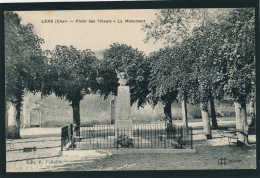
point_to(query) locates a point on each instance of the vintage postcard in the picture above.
(130, 89)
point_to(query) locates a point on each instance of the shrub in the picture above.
(53, 123)
(226, 113)
(123, 141)
(193, 112)
(95, 122)
(12, 132)
(146, 119)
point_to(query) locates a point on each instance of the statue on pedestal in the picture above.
(123, 77)
(122, 114)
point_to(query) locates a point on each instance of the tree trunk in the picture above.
(241, 122)
(184, 118)
(76, 116)
(205, 119)
(13, 117)
(6, 118)
(252, 113)
(26, 112)
(168, 114)
(112, 111)
(213, 115)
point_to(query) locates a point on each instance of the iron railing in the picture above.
(139, 136)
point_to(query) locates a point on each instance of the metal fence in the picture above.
(138, 136)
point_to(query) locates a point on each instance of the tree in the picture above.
(187, 84)
(24, 65)
(213, 114)
(73, 76)
(222, 44)
(252, 113)
(205, 43)
(238, 52)
(125, 58)
(160, 83)
(170, 78)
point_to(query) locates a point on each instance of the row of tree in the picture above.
(207, 57)
(209, 54)
(213, 58)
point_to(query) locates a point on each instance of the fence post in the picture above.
(191, 146)
(139, 135)
(182, 137)
(107, 136)
(61, 139)
(71, 131)
(151, 136)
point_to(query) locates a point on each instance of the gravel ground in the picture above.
(206, 157)
(210, 154)
(45, 158)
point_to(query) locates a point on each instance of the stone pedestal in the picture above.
(123, 119)
(112, 112)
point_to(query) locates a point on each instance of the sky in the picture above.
(95, 36)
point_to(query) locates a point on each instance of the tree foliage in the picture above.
(195, 39)
(24, 62)
(172, 25)
(205, 44)
(238, 53)
(71, 76)
(162, 86)
(168, 78)
(125, 58)
(72, 72)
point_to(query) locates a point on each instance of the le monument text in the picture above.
(85, 21)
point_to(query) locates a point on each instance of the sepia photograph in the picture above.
(130, 89)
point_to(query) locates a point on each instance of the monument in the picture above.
(123, 119)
